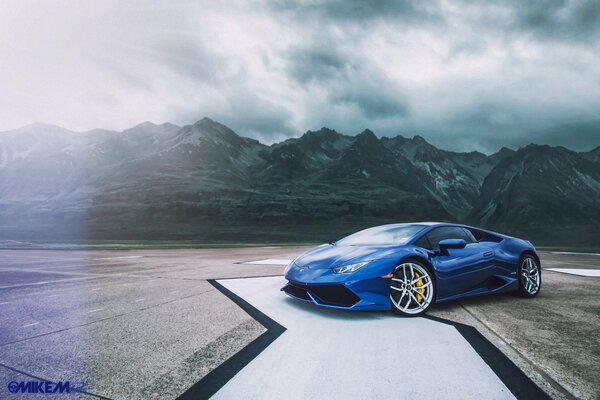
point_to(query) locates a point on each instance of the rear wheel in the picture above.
(530, 278)
(412, 289)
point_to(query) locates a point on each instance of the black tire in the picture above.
(529, 287)
(424, 289)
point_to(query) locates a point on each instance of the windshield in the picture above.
(382, 235)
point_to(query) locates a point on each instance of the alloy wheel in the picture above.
(411, 288)
(530, 275)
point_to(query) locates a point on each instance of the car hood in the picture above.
(329, 255)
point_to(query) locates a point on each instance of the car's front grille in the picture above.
(332, 295)
(295, 291)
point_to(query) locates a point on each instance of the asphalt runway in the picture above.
(151, 324)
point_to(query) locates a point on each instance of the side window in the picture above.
(481, 236)
(424, 243)
(448, 232)
(477, 234)
(470, 235)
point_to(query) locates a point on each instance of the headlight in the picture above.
(348, 269)
(287, 269)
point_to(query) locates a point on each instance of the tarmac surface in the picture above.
(148, 324)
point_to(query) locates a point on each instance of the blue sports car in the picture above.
(407, 267)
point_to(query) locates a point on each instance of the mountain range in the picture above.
(205, 182)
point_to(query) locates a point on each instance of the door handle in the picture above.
(488, 254)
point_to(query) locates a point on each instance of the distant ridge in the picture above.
(206, 182)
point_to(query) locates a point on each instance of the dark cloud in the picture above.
(189, 58)
(361, 11)
(465, 75)
(316, 64)
(576, 135)
(575, 19)
(374, 103)
(257, 117)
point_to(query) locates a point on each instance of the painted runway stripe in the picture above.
(575, 253)
(46, 282)
(269, 261)
(96, 310)
(117, 258)
(138, 300)
(272, 369)
(577, 271)
(32, 324)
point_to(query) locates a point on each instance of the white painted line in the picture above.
(271, 247)
(575, 253)
(53, 295)
(94, 289)
(269, 261)
(5, 302)
(45, 282)
(332, 354)
(97, 309)
(35, 323)
(138, 300)
(577, 271)
(116, 258)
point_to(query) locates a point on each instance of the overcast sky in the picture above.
(464, 76)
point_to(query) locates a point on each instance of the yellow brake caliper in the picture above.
(419, 284)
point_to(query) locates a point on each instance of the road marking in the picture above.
(173, 292)
(575, 253)
(269, 261)
(53, 295)
(46, 282)
(577, 271)
(35, 323)
(95, 289)
(138, 300)
(116, 258)
(97, 309)
(53, 271)
(349, 363)
(5, 302)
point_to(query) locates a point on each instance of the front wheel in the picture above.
(412, 289)
(530, 278)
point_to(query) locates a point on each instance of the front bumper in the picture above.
(326, 295)
(361, 290)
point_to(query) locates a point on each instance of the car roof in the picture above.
(425, 223)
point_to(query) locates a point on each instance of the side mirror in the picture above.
(451, 244)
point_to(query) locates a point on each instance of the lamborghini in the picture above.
(408, 267)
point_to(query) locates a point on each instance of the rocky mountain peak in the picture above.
(322, 135)
(208, 130)
(592, 155)
(38, 128)
(367, 137)
(505, 151)
(419, 139)
(367, 146)
(144, 125)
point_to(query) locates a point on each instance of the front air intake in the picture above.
(330, 295)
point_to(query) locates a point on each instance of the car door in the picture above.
(460, 270)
